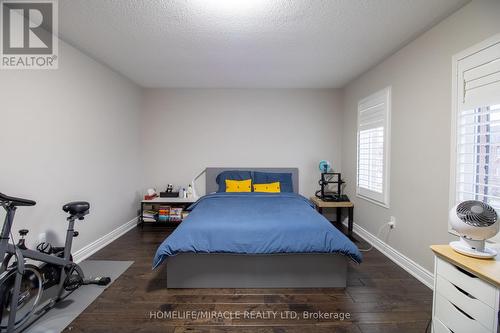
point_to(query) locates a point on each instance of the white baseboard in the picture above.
(420, 273)
(95, 246)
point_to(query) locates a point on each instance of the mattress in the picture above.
(255, 223)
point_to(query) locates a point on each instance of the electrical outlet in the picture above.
(392, 222)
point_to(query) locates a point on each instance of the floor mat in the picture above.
(68, 309)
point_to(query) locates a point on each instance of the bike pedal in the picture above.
(100, 281)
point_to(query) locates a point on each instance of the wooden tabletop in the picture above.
(330, 204)
(170, 200)
(487, 269)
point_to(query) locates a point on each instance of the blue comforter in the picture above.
(255, 223)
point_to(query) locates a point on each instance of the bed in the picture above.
(255, 240)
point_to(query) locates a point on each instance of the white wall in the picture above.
(420, 76)
(70, 134)
(186, 130)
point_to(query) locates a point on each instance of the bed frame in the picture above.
(221, 270)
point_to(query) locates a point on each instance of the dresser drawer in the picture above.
(468, 282)
(439, 327)
(470, 305)
(456, 320)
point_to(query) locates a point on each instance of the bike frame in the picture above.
(21, 254)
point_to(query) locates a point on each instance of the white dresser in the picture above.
(466, 293)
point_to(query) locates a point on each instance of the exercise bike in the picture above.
(27, 291)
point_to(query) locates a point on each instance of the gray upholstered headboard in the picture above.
(211, 175)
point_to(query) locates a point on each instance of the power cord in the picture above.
(378, 234)
(428, 325)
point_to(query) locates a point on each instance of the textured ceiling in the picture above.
(245, 43)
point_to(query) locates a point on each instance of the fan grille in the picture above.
(476, 213)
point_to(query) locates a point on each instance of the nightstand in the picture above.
(155, 205)
(338, 205)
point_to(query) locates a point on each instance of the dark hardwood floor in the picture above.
(380, 297)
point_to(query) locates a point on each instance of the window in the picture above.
(478, 163)
(476, 125)
(373, 147)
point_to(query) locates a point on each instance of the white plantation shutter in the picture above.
(480, 78)
(477, 169)
(373, 154)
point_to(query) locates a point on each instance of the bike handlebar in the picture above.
(16, 201)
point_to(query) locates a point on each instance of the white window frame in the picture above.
(456, 96)
(381, 199)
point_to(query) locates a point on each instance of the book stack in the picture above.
(164, 213)
(149, 216)
(176, 214)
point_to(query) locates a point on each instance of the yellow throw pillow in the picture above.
(239, 185)
(268, 188)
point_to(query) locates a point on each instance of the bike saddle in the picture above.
(16, 201)
(80, 208)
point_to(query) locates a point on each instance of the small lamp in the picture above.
(195, 195)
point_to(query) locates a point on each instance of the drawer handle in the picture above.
(463, 292)
(465, 272)
(463, 312)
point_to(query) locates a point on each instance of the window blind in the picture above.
(477, 169)
(480, 78)
(373, 115)
(478, 155)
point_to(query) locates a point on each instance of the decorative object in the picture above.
(325, 166)
(150, 194)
